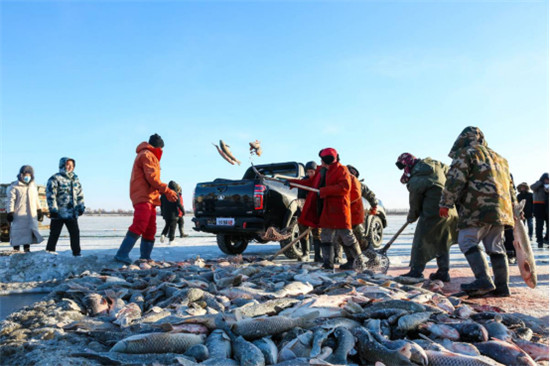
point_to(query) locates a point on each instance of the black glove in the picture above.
(39, 215)
(54, 215)
(80, 211)
(10, 216)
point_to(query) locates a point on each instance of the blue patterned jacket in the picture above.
(64, 193)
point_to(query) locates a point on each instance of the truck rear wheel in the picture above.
(295, 250)
(376, 232)
(231, 245)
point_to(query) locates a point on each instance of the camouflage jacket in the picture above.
(369, 195)
(64, 193)
(478, 182)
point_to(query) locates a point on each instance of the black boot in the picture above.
(304, 243)
(442, 272)
(16, 248)
(317, 250)
(26, 248)
(338, 253)
(414, 272)
(500, 271)
(328, 255)
(349, 257)
(483, 283)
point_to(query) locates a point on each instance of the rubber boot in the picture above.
(328, 255)
(483, 283)
(442, 272)
(416, 271)
(304, 243)
(146, 248)
(16, 248)
(317, 250)
(500, 271)
(26, 248)
(349, 257)
(122, 255)
(338, 253)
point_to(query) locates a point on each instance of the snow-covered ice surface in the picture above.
(102, 235)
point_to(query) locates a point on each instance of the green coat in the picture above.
(433, 235)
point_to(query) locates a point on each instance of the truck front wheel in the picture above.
(231, 245)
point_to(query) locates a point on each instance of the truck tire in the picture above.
(295, 250)
(376, 232)
(230, 245)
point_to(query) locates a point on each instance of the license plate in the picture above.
(225, 221)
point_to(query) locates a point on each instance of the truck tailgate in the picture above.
(225, 198)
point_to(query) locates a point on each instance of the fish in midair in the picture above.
(255, 148)
(224, 155)
(225, 148)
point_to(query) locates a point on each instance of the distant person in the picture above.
(434, 235)
(145, 190)
(479, 183)
(170, 213)
(66, 204)
(540, 209)
(181, 213)
(526, 194)
(24, 210)
(310, 210)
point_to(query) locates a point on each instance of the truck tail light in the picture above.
(259, 190)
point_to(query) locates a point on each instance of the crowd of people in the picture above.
(467, 203)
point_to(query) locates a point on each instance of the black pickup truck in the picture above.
(239, 211)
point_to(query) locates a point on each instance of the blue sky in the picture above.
(373, 79)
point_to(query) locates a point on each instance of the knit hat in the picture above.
(406, 162)
(311, 165)
(353, 170)
(329, 155)
(156, 141)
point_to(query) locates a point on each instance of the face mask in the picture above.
(26, 179)
(400, 165)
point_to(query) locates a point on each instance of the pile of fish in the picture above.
(251, 311)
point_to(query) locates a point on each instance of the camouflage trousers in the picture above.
(492, 237)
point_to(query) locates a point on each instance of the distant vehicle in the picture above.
(4, 224)
(239, 211)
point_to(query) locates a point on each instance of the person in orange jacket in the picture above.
(336, 219)
(145, 190)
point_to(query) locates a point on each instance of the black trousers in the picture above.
(170, 228)
(509, 243)
(180, 225)
(541, 219)
(74, 232)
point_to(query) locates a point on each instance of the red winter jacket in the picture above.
(309, 216)
(356, 202)
(336, 198)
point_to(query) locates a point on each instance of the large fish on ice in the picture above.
(522, 244)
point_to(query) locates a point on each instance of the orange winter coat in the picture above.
(356, 202)
(336, 198)
(145, 184)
